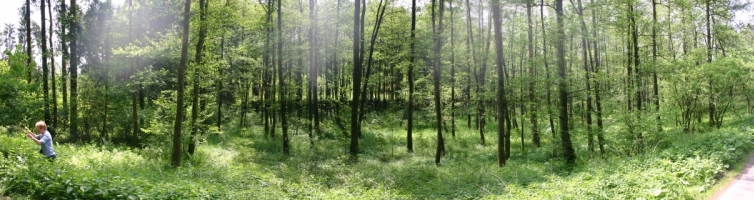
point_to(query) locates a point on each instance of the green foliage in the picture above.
(241, 164)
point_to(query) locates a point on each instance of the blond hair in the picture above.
(41, 124)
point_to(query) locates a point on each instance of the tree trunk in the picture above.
(587, 75)
(355, 128)
(655, 87)
(437, 74)
(452, 74)
(548, 84)
(565, 137)
(64, 60)
(28, 38)
(533, 75)
(411, 58)
(502, 103)
(203, 4)
(45, 70)
(597, 100)
(74, 63)
(54, 120)
(177, 150)
(281, 82)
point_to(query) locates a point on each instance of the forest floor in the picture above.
(740, 185)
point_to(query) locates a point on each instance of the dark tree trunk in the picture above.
(45, 70)
(355, 128)
(177, 150)
(54, 119)
(437, 74)
(565, 137)
(203, 4)
(281, 82)
(410, 73)
(502, 103)
(64, 60)
(28, 37)
(74, 63)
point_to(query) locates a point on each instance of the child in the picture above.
(44, 139)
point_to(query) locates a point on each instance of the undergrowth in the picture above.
(241, 164)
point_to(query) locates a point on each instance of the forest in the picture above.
(376, 99)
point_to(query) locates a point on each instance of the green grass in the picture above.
(243, 164)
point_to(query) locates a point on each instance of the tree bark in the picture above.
(410, 73)
(355, 128)
(533, 76)
(502, 103)
(203, 4)
(74, 63)
(281, 82)
(437, 74)
(54, 119)
(565, 137)
(177, 150)
(28, 38)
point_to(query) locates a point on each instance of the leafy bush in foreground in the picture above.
(245, 168)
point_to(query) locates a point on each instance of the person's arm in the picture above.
(33, 137)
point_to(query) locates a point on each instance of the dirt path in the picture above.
(742, 187)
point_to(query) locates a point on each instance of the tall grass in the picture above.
(241, 163)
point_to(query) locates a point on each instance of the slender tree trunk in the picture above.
(655, 86)
(548, 84)
(411, 58)
(437, 74)
(502, 103)
(203, 4)
(597, 100)
(565, 137)
(45, 70)
(587, 76)
(74, 63)
(281, 82)
(355, 128)
(28, 39)
(452, 73)
(64, 60)
(267, 71)
(177, 150)
(54, 120)
(533, 75)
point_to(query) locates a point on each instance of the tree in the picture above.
(281, 82)
(176, 156)
(437, 74)
(565, 137)
(74, 63)
(410, 73)
(502, 103)
(355, 127)
(532, 75)
(28, 38)
(45, 70)
(198, 61)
